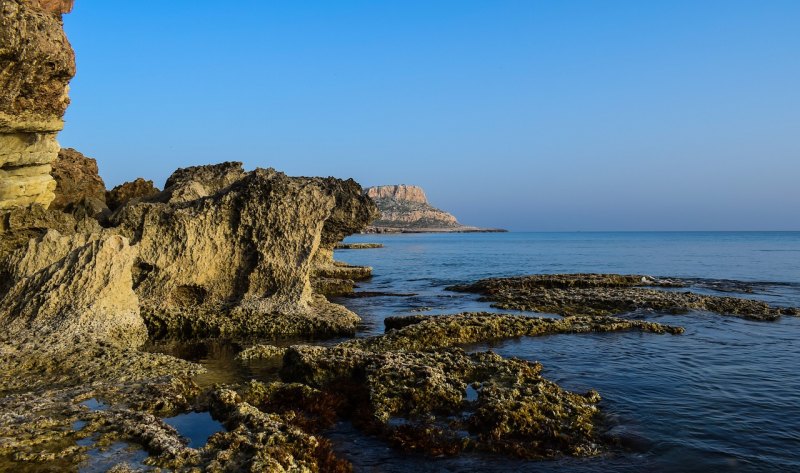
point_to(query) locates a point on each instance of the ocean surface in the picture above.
(724, 396)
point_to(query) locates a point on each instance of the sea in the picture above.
(722, 397)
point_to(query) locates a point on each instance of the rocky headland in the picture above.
(405, 209)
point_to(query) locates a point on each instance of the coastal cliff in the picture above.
(405, 208)
(36, 65)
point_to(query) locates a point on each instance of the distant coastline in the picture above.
(395, 230)
(405, 209)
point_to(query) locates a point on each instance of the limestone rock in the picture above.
(222, 251)
(56, 6)
(67, 288)
(594, 295)
(25, 168)
(36, 64)
(77, 179)
(398, 192)
(17, 226)
(128, 191)
(405, 208)
(194, 182)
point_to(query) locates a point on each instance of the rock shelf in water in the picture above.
(611, 294)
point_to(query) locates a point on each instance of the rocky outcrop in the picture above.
(36, 65)
(405, 208)
(128, 191)
(223, 251)
(77, 179)
(220, 251)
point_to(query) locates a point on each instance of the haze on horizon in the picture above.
(550, 115)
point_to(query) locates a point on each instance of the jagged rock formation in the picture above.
(405, 208)
(223, 251)
(126, 192)
(36, 65)
(220, 251)
(77, 179)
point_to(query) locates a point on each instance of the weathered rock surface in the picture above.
(77, 179)
(426, 332)
(17, 226)
(420, 401)
(36, 65)
(128, 191)
(70, 290)
(610, 294)
(222, 251)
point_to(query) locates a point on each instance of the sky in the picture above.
(558, 115)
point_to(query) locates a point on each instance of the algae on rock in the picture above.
(610, 294)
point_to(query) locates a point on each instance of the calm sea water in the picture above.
(725, 396)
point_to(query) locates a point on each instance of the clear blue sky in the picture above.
(529, 115)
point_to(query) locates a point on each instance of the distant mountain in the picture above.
(405, 208)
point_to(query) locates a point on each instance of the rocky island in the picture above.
(405, 209)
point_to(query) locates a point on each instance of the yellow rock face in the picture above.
(25, 177)
(36, 64)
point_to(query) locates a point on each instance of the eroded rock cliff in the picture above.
(405, 208)
(36, 65)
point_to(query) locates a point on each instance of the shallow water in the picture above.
(197, 427)
(725, 396)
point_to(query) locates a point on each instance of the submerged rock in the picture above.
(610, 294)
(260, 352)
(358, 246)
(426, 332)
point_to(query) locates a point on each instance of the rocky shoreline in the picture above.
(89, 276)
